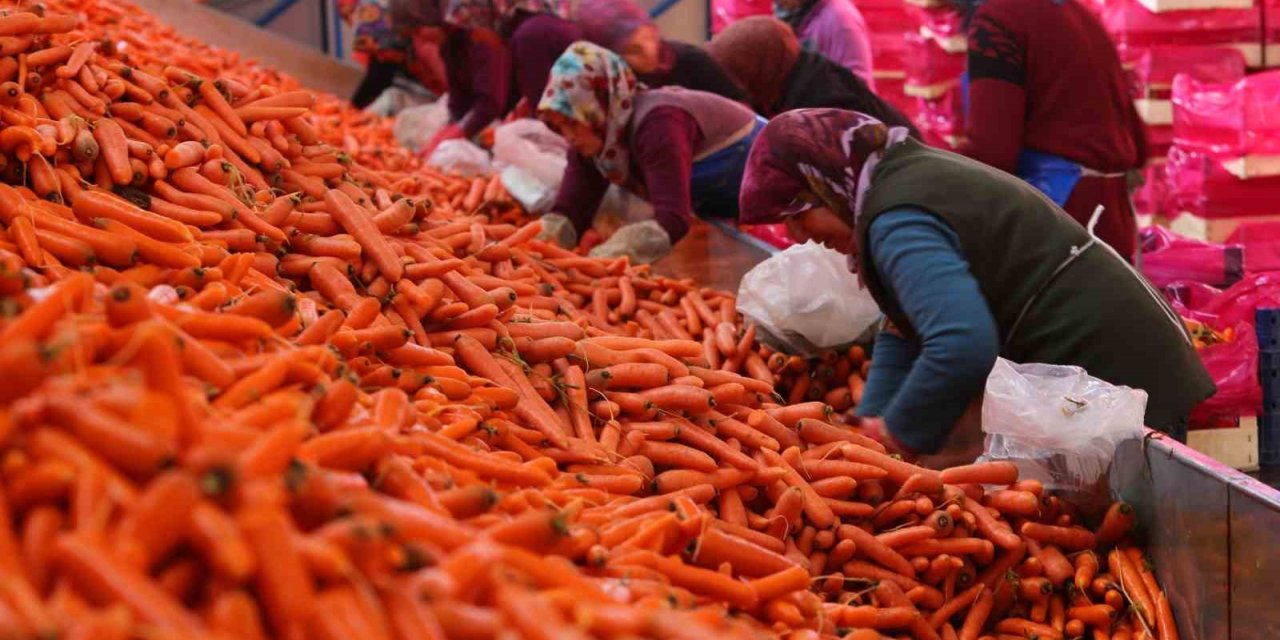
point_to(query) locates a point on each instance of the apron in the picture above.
(717, 177)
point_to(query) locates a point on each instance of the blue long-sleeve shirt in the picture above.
(920, 391)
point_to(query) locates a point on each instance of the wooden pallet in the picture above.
(1209, 229)
(1236, 447)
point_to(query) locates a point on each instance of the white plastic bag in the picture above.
(395, 99)
(532, 159)
(804, 299)
(461, 157)
(416, 126)
(1059, 425)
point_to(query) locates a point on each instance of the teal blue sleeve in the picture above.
(891, 360)
(920, 262)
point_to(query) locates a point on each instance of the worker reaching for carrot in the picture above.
(962, 280)
(685, 150)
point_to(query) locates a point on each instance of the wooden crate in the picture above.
(1236, 447)
(1208, 229)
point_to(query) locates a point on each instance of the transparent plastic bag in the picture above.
(532, 160)
(416, 126)
(396, 98)
(461, 157)
(1059, 425)
(804, 299)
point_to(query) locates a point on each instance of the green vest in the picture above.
(1093, 311)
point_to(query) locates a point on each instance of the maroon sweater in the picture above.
(661, 165)
(1044, 75)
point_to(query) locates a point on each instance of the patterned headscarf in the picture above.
(610, 23)
(497, 15)
(593, 86)
(374, 34)
(812, 157)
(759, 53)
(794, 17)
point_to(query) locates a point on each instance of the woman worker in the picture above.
(387, 52)
(967, 263)
(764, 56)
(682, 150)
(1048, 101)
(488, 47)
(834, 28)
(625, 28)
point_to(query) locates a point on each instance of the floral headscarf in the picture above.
(610, 23)
(759, 53)
(374, 34)
(593, 86)
(497, 15)
(812, 157)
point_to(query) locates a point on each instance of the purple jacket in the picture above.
(836, 29)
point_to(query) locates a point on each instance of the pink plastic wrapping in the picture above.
(1156, 68)
(1159, 140)
(941, 121)
(1233, 366)
(1200, 185)
(727, 12)
(1237, 304)
(930, 69)
(893, 91)
(1152, 198)
(939, 23)
(774, 234)
(1168, 257)
(1261, 242)
(1136, 29)
(1230, 119)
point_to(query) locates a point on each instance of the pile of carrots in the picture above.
(835, 377)
(259, 385)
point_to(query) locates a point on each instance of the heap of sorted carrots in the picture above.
(256, 386)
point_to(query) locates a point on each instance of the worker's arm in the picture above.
(581, 191)
(918, 258)
(997, 92)
(890, 363)
(490, 65)
(662, 150)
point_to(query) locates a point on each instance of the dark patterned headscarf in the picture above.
(810, 158)
(610, 23)
(759, 53)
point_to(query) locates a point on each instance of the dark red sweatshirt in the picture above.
(1045, 76)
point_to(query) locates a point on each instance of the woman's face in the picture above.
(823, 226)
(643, 50)
(578, 135)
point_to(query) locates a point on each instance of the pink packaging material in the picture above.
(893, 91)
(931, 70)
(1157, 66)
(1199, 184)
(1136, 29)
(1233, 366)
(943, 24)
(1230, 119)
(1159, 140)
(1152, 198)
(1168, 258)
(941, 120)
(727, 12)
(774, 234)
(1261, 242)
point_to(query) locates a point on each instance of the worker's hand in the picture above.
(557, 228)
(523, 110)
(643, 242)
(876, 429)
(449, 132)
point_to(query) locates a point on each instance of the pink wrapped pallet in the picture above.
(941, 120)
(1159, 140)
(1168, 257)
(1271, 33)
(931, 70)
(727, 12)
(1201, 185)
(891, 86)
(1261, 242)
(1155, 69)
(1239, 122)
(1152, 198)
(943, 25)
(1136, 29)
